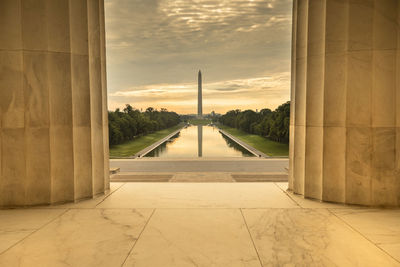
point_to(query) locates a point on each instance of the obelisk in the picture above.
(199, 98)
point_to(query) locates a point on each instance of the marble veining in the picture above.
(80, 237)
(309, 233)
(310, 237)
(15, 225)
(194, 237)
(380, 226)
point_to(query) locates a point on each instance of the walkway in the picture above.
(199, 224)
(201, 164)
(253, 150)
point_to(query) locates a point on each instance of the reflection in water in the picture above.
(231, 143)
(200, 141)
(161, 149)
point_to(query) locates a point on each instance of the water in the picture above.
(199, 141)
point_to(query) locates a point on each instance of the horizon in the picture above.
(195, 114)
(155, 49)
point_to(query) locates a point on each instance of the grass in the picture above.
(130, 148)
(199, 121)
(269, 147)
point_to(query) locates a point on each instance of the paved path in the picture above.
(199, 177)
(248, 147)
(201, 165)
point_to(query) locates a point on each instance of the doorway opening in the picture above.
(230, 113)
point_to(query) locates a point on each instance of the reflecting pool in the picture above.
(199, 141)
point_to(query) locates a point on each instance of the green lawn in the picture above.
(199, 121)
(271, 148)
(130, 148)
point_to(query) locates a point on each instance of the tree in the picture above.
(271, 124)
(126, 125)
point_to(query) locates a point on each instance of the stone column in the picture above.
(53, 108)
(345, 101)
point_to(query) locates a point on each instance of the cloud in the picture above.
(260, 92)
(165, 42)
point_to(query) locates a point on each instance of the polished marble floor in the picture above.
(199, 224)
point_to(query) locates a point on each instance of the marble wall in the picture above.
(53, 101)
(345, 120)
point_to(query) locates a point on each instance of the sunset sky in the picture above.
(156, 47)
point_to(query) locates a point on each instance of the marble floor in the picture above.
(199, 224)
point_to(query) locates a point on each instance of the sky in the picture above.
(156, 47)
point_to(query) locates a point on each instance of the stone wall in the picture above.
(345, 120)
(53, 101)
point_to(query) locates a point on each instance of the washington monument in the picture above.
(199, 98)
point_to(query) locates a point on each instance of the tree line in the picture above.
(271, 124)
(125, 125)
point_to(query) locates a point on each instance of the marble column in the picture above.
(53, 105)
(345, 116)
